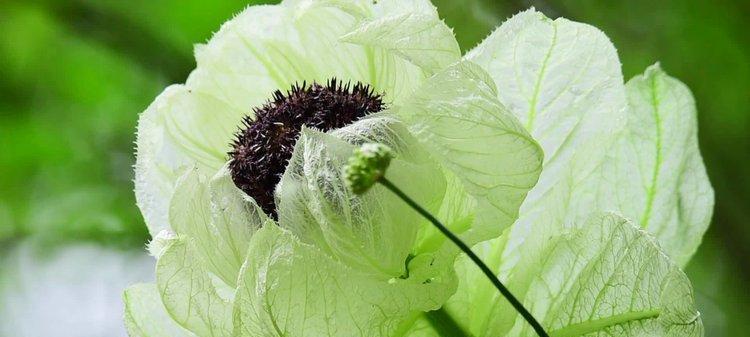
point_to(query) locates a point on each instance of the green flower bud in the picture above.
(366, 166)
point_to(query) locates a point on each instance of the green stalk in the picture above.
(461, 245)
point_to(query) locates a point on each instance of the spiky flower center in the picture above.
(264, 144)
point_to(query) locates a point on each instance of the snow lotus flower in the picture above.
(317, 258)
(239, 171)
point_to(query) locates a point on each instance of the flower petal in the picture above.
(374, 232)
(456, 114)
(412, 30)
(188, 292)
(180, 129)
(384, 129)
(268, 48)
(145, 315)
(219, 218)
(293, 289)
(562, 80)
(601, 277)
(655, 174)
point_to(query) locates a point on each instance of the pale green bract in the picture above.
(558, 77)
(340, 264)
(145, 315)
(603, 277)
(664, 187)
(292, 289)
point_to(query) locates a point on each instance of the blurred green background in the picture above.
(75, 74)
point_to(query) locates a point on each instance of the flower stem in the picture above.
(457, 241)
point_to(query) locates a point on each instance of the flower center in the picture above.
(265, 142)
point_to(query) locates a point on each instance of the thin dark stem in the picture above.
(486, 270)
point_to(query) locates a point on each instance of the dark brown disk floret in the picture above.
(264, 144)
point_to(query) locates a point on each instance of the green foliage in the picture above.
(67, 124)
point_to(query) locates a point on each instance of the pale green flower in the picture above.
(340, 264)
(334, 263)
